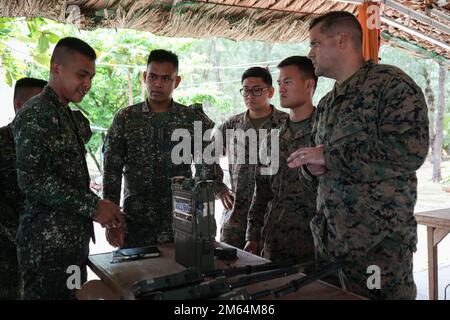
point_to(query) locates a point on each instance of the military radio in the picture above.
(193, 222)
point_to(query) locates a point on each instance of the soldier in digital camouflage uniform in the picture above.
(56, 222)
(285, 202)
(12, 198)
(370, 137)
(257, 91)
(138, 146)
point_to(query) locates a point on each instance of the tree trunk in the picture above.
(431, 108)
(437, 176)
(217, 63)
(130, 88)
(94, 158)
(210, 53)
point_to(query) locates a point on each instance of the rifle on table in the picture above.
(292, 286)
(218, 286)
(192, 276)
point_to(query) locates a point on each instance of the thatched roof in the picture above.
(268, 20)
(426, 29)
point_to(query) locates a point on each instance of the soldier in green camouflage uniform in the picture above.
(260, 115)
(284, 203)
(371, 135)
(10, 206)
(56, 222)
(12, 198)
(138, 146)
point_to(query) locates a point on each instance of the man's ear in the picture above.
(144, 75)
(17, 103)
(343, 39)
(54, 69)
(177, 81)
(271, 92)
(310, 83)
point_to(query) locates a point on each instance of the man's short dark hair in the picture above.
(303, 64)
(68, 45)
(23, 84)
(336, 21)
(160, 55)
(258, 72)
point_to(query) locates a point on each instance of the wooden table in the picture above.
(119, 277)
(438, 226)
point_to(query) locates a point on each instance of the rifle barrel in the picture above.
(295, 285)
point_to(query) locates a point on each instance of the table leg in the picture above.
(432, 265)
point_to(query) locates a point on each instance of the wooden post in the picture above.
(432, 265)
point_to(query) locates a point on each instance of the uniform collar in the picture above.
(274, 118)
(51, 94)
(174, 107)
(286, 133)
(354, 82)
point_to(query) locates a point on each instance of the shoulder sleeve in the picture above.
(114, 158)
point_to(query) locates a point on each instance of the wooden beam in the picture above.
(439, 234)
(442, 3)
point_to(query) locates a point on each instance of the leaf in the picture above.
(23, 38)
(32, 27)
(43, 44)
(5, 31)
(9, 78)
(42, 59)
(52, 37)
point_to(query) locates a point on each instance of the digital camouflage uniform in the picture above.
(242, 176)
(140, 148)
(375, 130)
(11, 201)
(56, 223)
(284, 203)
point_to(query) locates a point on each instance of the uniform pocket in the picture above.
(349, 127)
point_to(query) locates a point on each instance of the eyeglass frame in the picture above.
(252, 91)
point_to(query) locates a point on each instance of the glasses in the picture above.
(245, 92)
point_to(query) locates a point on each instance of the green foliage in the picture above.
(210, 69)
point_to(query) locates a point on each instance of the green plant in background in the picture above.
(211, 69)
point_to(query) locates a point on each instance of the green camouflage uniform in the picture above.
(84, 125)
(375, 130)
(284, 204)
(138, 145)
(242, 177)
(56, 222)
(11, 201)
